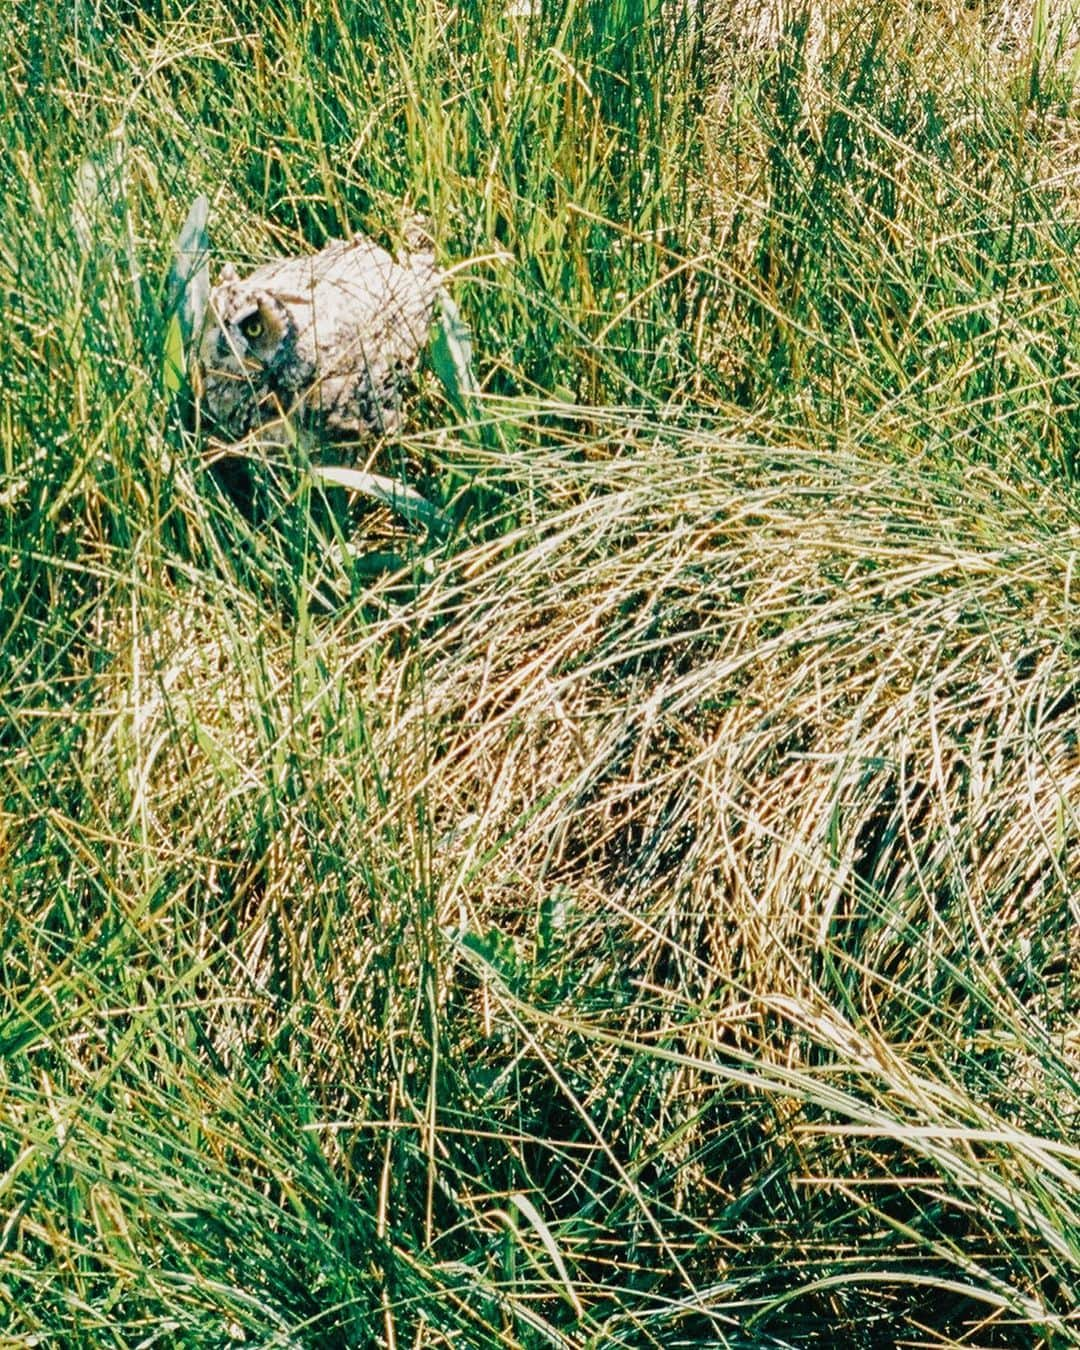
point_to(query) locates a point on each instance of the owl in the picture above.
(328, 341)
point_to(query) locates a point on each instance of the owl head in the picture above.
(246, 343)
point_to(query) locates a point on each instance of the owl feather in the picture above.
(329, 340)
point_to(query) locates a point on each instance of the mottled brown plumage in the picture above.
(328, 341)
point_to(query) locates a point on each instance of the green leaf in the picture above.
(406, 501)
(451, 357)
(173, 373)
(554, 912)
(188, 288)
(495, 950)
(187, 293)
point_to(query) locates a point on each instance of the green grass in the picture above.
(644, 917)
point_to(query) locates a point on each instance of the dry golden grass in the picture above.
(746, 775)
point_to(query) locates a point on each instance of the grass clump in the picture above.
(644, 916)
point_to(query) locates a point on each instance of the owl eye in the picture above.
(253, 327)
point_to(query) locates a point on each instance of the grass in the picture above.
(643, 917)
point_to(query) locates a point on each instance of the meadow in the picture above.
(640, 913)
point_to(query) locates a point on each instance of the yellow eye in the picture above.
(252, 327)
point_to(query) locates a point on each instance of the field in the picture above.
(640, 913)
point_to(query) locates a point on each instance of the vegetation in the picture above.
(642, 915)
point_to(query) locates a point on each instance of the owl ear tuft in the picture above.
(228, 273)
(273, 313)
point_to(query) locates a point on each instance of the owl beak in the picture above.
(227, 346)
